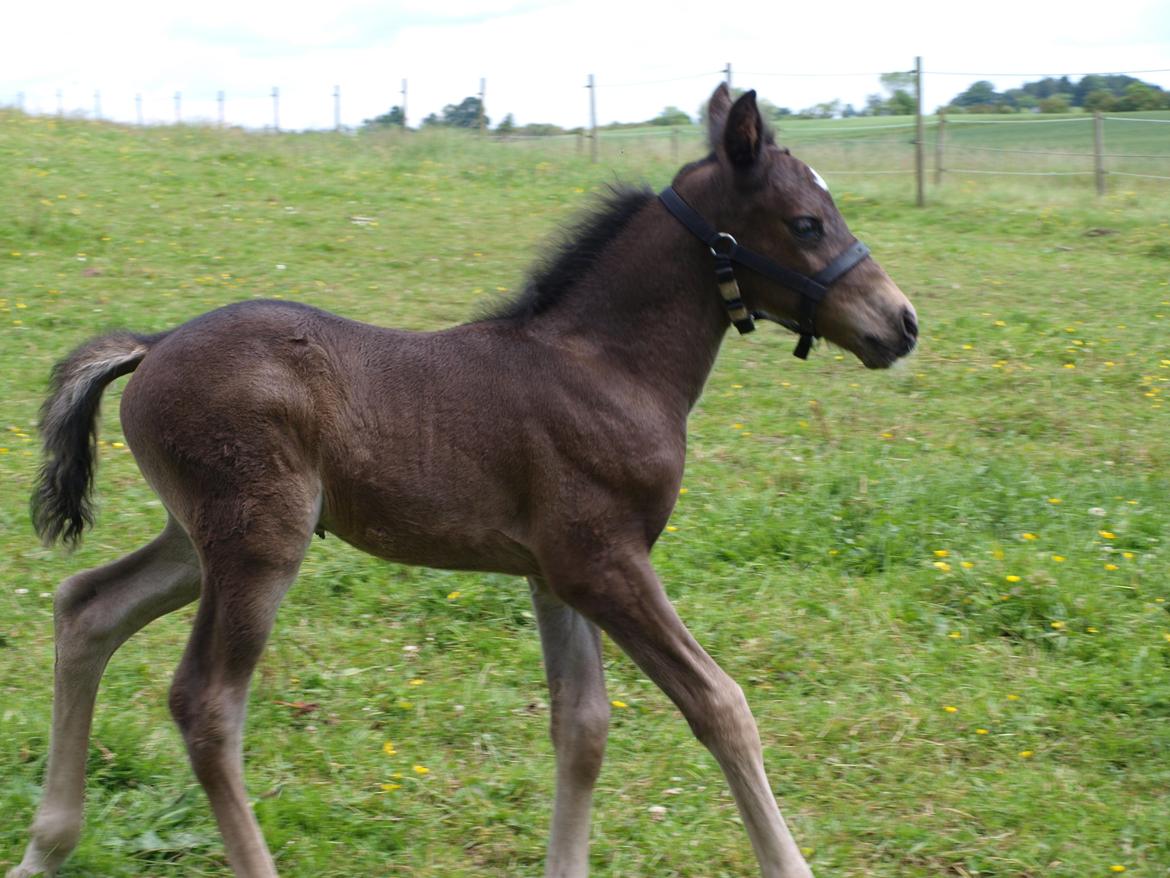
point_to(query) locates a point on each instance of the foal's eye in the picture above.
(807, 228)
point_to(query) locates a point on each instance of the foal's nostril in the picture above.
(910, 323)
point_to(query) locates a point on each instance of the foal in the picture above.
(263, 422)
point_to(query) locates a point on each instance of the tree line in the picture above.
(1094, 92)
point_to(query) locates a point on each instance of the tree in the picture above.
(396, 118)
(507, 126)
(1100, 100)
(978, 94)
(465, 114)
(1056, 102)
(1139, 96)
(671, 116)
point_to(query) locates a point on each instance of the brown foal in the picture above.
(546, 440)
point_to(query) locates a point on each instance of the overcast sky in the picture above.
(537, 54)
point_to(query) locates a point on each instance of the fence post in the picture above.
(940, 138)
(920, 136)
(1099, 150)
(482, 93)
(592, 119)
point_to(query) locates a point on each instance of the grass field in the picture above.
(944, 588)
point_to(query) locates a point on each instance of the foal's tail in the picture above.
(60, 503)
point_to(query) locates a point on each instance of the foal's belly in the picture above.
(427, 531)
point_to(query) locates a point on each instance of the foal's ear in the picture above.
(717, 110)
(744, 134)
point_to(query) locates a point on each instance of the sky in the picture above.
(535, 56)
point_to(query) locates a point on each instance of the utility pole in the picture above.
(404, 105)
(727, 74)
(219, 100)
(920, 136)
(275, 108)
(60, 103)
(178, 108)
(138, 109)
(592, 119)
(97, 105)
(337, 108)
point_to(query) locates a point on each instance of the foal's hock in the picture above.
(263, 422)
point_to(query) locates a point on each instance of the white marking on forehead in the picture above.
(818, 179)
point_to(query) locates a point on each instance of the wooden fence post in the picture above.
(920, 136)
(1099, 150)
(592, 119)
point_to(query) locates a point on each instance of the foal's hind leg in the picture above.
(580, 722)
(96, 611)
(245, 576)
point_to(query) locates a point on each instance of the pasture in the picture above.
(943, 588)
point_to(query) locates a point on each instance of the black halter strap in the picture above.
(727, 252)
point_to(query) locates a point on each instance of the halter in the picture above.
(812, 289)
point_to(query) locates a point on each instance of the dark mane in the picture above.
(578, 248)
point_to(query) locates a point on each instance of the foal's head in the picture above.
(778, 206)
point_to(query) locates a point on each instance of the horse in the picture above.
(545, 439)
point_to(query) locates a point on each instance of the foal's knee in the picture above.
(79, 625)
(579, 737)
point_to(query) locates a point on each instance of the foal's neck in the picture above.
(650, 303)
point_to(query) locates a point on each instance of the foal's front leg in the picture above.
(580, 723)
(623, 596)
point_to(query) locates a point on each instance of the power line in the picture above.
(1063, 73)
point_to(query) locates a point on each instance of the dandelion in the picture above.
(950, 708)
(941, 553)
(981, 731)
(1091, 630)
(1055, 501)
(682, 491)
(1013, 697)
(454, 595)
(388, 749)
(966, 565)
(391, 787)
(1107, 534)
(670, 528)
(1011, 577)
(943, 566)
(619, 704)
(1058, 625)
(421, 769)
(955, 635)
(1026, 754)
(1111, 567)
(416, 682)
(1059, 559)
(1117, 867)
(1028, 536)
(1128, 556)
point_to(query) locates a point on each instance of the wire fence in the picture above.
(941, 147)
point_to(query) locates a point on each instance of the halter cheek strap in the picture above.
(727, 252)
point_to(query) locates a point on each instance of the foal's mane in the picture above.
(575, 250)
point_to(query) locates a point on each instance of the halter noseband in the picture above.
(812, 289)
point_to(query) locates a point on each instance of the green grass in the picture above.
(808, 555)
